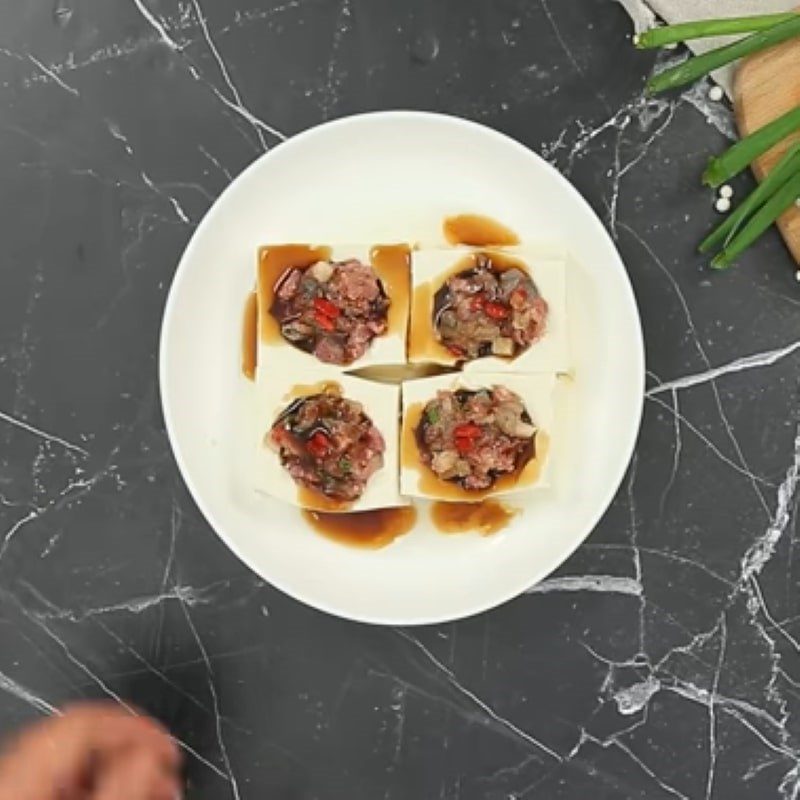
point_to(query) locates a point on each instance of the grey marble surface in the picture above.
(661, 660)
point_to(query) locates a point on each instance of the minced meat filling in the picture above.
(484, 311)
(474, 437)
(333, 310)
(329, 445)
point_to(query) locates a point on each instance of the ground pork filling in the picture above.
(474, 437)
(333, 310)
(483, 311)
(329, 445)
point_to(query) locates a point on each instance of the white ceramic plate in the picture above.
(393, 177)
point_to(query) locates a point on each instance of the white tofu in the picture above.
(430, 270)
(381, 403)
(391, 262)
(536, 391)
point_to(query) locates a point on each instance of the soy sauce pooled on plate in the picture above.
(476, 230)
(487, 518)
(368, 529)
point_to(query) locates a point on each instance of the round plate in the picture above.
(393, 177)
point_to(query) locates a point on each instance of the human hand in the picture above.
(95, 751)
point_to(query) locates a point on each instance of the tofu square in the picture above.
(390, 262)
(418, 480)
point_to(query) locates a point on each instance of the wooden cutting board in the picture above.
(767, 85)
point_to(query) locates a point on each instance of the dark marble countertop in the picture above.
(660, 661)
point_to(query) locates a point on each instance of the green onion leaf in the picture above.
(744, 152)
(685, 31)
(697, 67)
(782, 200)
(788, 166)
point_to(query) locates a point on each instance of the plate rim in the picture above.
(179, 276)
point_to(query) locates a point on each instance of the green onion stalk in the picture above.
(665, 35)
(746, 151)
(781, 201)
(787, 168)
(697, 67)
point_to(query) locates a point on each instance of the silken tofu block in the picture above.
(536, 392)
(381, 403)
(392, 265)
(430, 271)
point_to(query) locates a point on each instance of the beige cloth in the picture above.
(644, 13)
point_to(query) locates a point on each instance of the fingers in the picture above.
(137, 776)
(60, 756)
(107, 729)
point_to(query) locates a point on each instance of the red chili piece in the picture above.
(325, 313)
(464, 445)
(465, 436)
(326, 308)
(318, 445)
(478, 302)
(469, 430)
(496, 310)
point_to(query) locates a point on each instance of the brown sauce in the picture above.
(487, 518)
(430, 485)
(316, 501)
(273, 261)
(423, 346)
(476, 230)
(250, 337)
(368, 529)
(392, 263)
(310, 389)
